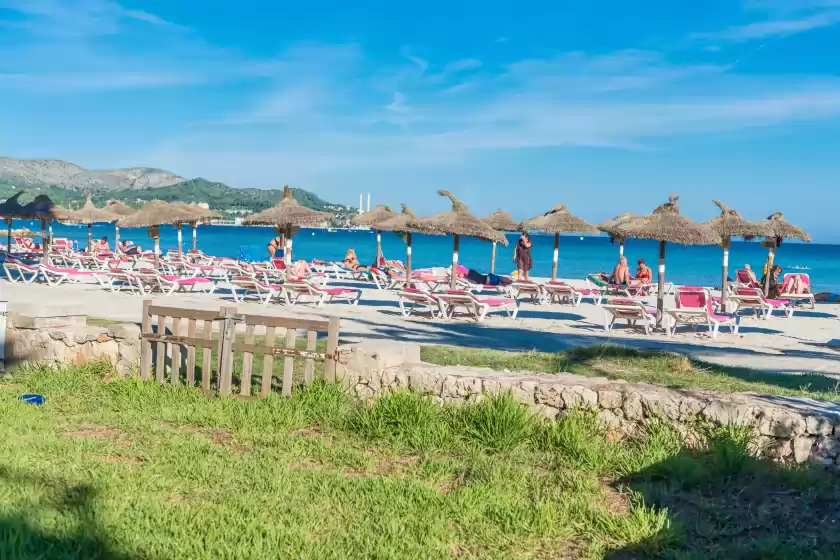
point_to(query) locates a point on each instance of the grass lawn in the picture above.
(126, 469)
(615, 362)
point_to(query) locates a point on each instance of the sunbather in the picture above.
(129, 248)
(487, 279)
(351, 261)
(275, 247)
(795, 285)
(300, 269)
(102, 245)
(751, 273)
(644, 275)
(621, 273)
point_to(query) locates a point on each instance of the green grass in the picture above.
(126, 469)
(102, 322)
(614, 362)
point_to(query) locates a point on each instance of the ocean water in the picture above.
(578, 256)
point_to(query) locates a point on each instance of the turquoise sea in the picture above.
(577, 257)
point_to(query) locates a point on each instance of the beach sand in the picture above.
(808, 342)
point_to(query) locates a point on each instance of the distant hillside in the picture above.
(57, 173)
(218, 196)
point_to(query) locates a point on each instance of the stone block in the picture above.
(827, 447)
(802, 447)
(727, 413)
(660, 405)
(610, 399)
(781, 423)
(632, 406)
(819, 425)
(578, 396)
(549, 394)
(124, 331)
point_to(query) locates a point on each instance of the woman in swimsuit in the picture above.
(129, 248)
(351, 261)
(795, 285)
(522, 256)
(275, 247)
(644, 275)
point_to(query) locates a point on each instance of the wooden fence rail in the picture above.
(160, 347)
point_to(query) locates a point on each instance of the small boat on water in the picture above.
(799, 267)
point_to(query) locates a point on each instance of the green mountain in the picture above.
(221, 197)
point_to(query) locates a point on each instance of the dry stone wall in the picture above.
(790, 429)
(48, 337)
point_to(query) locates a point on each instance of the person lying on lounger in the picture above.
(351, 261)
(129, 248)
(102, 246)
(795, 285)
(300, 269)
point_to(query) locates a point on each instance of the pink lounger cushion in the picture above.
(339, 291)
(496, 302)
(185, 280)
(777, 302)
(70, 271)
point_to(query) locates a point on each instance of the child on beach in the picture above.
(522, 256)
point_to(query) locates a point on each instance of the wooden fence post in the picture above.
(332, 346)
(226, 338)
(146, 345)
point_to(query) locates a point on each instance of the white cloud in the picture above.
(774, 28)
(420, 62)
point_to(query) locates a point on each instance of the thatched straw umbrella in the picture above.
(775, 229)
(400, 224)
(121, 210)
(728, 225)
(44, 209)
(666, 225)
(285, 214)
(609, 227)
(152, 215)
(11, 209)
(458, 222)
(500, 221)
(202, 214)
(372, 220)
(89, 215)
(557, 220)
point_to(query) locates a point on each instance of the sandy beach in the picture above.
(808, 342)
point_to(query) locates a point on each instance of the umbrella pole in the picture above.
(660, 296)
(195, 237)
(287, 254)
(180, 241)
(723, 284)
(8, 236)
(157, 251)
(90, 238)
(117, 240)
(554, 264)
(378, 248)
(453, 280)
(408, 260)
(493, 259)
(45, 242)
(620, 249)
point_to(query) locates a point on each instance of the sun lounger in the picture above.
(743, 278)
(54, 275)
(151, 280)
(119, 280)
(20, 271)
(411, 299)
(630, 310)
(319, 294)
(528, 289)
(560, 291)
(799, 298)
(753, 298)
(477, 306)
(696, 307)
(252, 287)
(595, 281)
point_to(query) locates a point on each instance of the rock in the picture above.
(774, 448)
(609, 399)
(549, 394)
(124, 331)
(802, 448)
(609, 420)
(828, 447)
(546, 412)
(578, 396)
(728, 413)
(781, 423)
(632, 406)
(819, 425)
(660, 405)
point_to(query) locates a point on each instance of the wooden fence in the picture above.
(161, 348)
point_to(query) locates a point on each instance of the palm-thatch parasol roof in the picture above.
(399, 222)
(43, 208)
(375, 217)
(501, 221)
(156, 213)
(776, 226)
(558, 220)
(90, 214)
(731, 224)
(204, 213)
(120, 209)
(287, 212)
(666, 224)
(609, 226)
(458, 221)
(11, 207)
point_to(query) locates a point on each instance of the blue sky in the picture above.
(604, 106)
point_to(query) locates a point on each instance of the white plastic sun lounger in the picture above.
(478, 306)
(630, 310)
